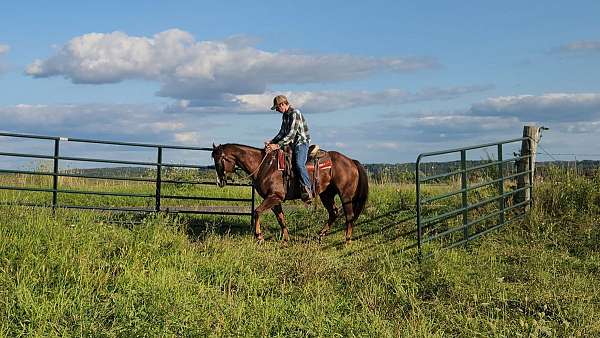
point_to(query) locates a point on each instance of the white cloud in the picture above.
(384, 145)
(143, 123)
(208, 71)
(433, 128)
(555, 107)
(414, 132)
(116, 121)
(387, 139)
(574, 119)
(161, 126)
(587, 127)
(189, 137)
(445, 124)
(578, 47)
(323, 101)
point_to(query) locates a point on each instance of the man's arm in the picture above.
(289, 137)
(280, 134)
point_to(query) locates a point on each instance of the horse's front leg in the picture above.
(278, 211)
(266, 204)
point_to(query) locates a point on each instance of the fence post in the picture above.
(55, 175)
(501, 202)
(418, 207)
(158, 178)
(465, 201)
(529, 149)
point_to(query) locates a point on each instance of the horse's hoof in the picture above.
(285, 237)
(260, 239)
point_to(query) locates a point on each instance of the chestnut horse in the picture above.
(346, 178)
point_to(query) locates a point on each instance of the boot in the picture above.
(306, 195)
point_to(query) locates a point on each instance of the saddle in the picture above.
(318, 160)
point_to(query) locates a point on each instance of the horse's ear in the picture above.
(214, 146)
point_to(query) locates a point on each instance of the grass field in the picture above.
(80, 273)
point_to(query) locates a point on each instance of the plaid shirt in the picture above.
(294, 129)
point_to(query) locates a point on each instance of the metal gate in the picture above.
(156, 198)
(475, 213)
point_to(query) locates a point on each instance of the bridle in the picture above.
(221, 162)
(227, 158)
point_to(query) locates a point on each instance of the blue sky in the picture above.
(381, 80)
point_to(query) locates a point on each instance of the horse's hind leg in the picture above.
(327, 197)
(349, 213)
(278, 211)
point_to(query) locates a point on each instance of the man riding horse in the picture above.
(293, 132)
(341, 175)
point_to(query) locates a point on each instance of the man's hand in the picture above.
(272, 146)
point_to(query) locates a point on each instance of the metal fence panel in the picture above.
(158, 195)
(426, 231)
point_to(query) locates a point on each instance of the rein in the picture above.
(259, 166)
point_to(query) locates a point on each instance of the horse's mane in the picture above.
(242, 146)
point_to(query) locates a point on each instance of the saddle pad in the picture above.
(322, 165)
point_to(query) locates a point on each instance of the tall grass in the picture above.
(75, 274)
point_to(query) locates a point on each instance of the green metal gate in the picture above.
(158, 180)
(473, 215)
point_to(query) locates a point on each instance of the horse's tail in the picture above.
(362, 191)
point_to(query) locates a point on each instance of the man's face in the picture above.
(282, 107)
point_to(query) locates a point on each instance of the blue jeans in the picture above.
(300, 156)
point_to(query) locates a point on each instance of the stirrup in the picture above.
(307, 199)
(306, 195)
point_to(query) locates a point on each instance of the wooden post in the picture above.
(528, 147)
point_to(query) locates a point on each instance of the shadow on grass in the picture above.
(405, 225)
(391, 226)
(199, 226)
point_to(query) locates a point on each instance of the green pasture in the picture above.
(86, 273)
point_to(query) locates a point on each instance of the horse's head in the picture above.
(224, 164)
